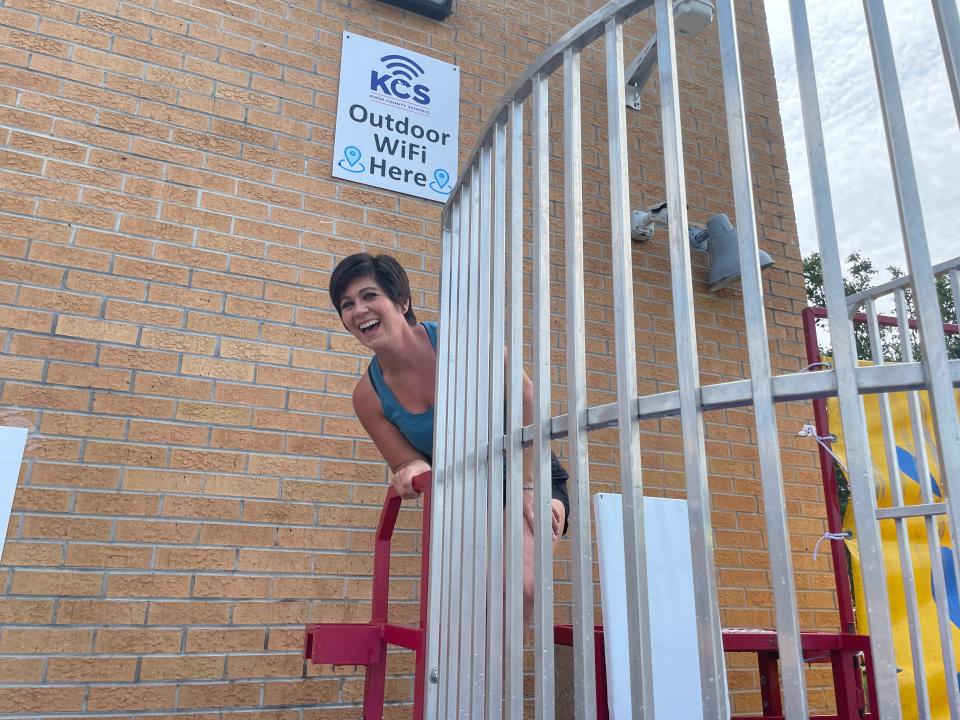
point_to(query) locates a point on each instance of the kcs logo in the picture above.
(399, 79)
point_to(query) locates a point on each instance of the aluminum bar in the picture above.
(903, 539)
(495, 447)
(713, 675)
(631, 479)
(845, 358)
(482, 442)
(450, 671)
(439, 491)
(948, 26)
(584, 670)
(544, 689)
(468, 440)
(781, 562)
(514, 626)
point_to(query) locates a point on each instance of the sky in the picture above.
(860, 178)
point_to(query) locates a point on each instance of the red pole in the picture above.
(834, 519)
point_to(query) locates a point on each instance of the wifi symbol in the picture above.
(403, 66)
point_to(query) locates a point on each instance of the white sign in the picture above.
(12, 442)
(398, 119)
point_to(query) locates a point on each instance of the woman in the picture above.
(394, 398)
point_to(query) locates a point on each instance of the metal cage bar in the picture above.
(514, 451)
(903, 540)
(768, 442)
(495, 452)
(713, 675)
(584, 667)
(544, 686)
(631, 480)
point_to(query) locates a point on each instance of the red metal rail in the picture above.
(366, 643)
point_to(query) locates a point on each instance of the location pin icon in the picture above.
(441, 176)
(352, 154)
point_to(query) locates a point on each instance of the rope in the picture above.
(829, 536)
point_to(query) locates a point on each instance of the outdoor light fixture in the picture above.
(690, 17)
(436, 9)
(719, 238)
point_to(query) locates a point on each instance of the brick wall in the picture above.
(195, 486)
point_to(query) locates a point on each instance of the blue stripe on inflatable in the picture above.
(908, 467)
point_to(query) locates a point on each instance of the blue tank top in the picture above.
(417, 428)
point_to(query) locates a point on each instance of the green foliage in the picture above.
(860, 275)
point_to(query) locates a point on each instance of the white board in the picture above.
(398, 119)
(673, 619)
(12, 442)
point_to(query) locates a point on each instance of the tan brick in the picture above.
(54, 423)
(74, 475)
(219, 696)
(45, 641)
(20, 670)
(224, 369)
(44, 347)
(156, 532)
(106, 285)
(195, 559)
(181, 342)
(247, 440)
(201, 640)
(59, 301)
(132, 405)
(100, 612)
(84, 376)
(12, 368)
(222, 325)
(31, 320)
(167, 433)
(209, 586)
(152, 585)
(60, 583)
(42, 699)
(182, 668)
(108, 556)
(91, 669)
(163, 481)
(173, 386)
(188, 612)
(96, 330)
(16, 611)
(148, 641)
(198, 507)
(237, 535)
(131, 697)
(139, 359)
(124, 454)
(244, 394)
(213, 413)
(67, 528)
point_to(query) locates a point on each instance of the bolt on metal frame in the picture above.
(476, 628)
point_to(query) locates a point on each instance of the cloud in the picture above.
(862, 188)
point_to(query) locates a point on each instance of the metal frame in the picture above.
(479, 672)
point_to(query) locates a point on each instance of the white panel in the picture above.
(673, 618)
(12, 442)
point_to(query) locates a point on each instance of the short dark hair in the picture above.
(385, 269)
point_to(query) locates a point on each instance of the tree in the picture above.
(860, 275)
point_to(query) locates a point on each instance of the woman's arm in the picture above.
(404, 460)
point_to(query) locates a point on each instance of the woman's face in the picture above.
(369, 313)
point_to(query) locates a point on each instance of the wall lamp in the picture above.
(690, 17)
(718, 238)
(436, 9)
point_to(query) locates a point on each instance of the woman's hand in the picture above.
(402, 479)
(529, 514)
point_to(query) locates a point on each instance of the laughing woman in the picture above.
(394, 398)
